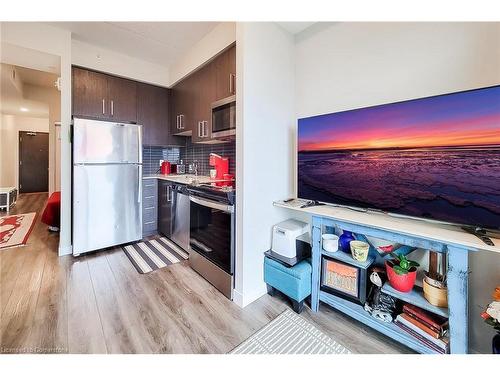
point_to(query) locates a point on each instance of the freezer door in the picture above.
(106, 142)
(107, 206)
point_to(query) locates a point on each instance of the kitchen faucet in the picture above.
(195, 166)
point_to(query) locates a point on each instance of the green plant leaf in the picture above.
(404, 264)
(399, 270)
(413, 264)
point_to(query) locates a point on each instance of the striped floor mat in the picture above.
(289, 333)
(147, 256)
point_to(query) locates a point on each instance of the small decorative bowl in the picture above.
(359, 250)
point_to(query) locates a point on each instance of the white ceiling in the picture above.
(36, 77)
(29, 58)
(295, 27)
(156, 42)
(13, 101)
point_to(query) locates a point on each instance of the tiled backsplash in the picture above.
(152, 155)
(201, 152)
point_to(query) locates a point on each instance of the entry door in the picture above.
(33, 162)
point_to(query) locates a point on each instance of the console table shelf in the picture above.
(415, 297)
(414, 234)
(389, 329)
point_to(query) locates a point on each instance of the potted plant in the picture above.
(401, 272)
(492, 317)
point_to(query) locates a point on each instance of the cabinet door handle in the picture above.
(103, 107)
(112, 108)
(181, 122)
(231, 83)
(199, 130)
(205, 129)
(177, 122)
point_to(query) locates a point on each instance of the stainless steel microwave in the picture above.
(224, 117)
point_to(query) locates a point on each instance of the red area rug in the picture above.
(15, 229)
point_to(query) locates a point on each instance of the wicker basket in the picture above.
(434, 295)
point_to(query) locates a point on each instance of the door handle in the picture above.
(205, 128)
(169, 191)
(212, 204)
(103, 107)
(112, 108)
(177, 121)
(231, 83)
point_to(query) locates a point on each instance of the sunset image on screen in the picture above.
(436, 158)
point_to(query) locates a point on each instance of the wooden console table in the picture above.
(415, 233)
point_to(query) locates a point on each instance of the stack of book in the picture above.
(428, 328)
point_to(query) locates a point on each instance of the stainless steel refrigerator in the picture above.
(107, 183)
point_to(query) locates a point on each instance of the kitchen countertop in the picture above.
(187, 179)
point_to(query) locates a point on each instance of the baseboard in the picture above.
(246, 299)
(237, 298)
(65, 250)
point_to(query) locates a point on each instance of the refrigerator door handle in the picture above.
(139, 195)
(139, 140)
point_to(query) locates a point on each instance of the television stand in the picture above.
(445, 239)
(479, 233)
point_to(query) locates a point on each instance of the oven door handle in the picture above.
(212, 204)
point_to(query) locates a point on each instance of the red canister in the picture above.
(165, 167)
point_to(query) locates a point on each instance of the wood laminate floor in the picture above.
(98, 303)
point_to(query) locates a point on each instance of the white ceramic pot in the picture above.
(330, 242)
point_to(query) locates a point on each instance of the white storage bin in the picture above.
(285, 234)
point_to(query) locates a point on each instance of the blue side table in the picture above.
(294, 282)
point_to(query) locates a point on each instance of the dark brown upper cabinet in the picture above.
(203, 98)
(90, 92)
(104, 97)
(192, 98)
(225, 74)
(153, 115)
(122, 97)
(183, 95)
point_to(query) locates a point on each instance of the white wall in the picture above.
(86, 55)
(10, 126)
(210, 45)
(350, 65)
(265, 115)
(57, 42)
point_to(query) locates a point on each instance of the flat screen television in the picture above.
(436, 158)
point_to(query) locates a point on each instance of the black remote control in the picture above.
(479, 233)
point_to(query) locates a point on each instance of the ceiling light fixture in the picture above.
(24, 109)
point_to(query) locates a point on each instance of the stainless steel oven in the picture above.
(224, 117)
(211, 238)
